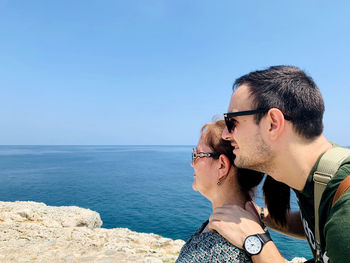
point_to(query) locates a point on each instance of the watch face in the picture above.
(252, 245)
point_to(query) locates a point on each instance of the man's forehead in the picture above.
(241, 99)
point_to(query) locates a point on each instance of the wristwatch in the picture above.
(253, 244)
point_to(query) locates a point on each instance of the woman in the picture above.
(221, 183)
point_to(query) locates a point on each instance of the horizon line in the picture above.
(96, 145)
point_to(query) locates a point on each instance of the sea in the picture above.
(144, 188)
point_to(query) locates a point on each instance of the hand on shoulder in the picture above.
(235, 223)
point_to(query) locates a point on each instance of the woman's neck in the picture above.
(228, 195)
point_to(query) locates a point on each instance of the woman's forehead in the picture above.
(202, 144)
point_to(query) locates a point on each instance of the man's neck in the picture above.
(294, 161)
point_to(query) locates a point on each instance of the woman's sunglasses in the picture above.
(196, 155)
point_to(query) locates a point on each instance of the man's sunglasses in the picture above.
(196, 155)
(230, 122)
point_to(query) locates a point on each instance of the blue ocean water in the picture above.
(144, 188)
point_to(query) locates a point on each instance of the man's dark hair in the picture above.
(292, 91)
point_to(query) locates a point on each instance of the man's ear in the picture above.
(224, 167)
(275, 123)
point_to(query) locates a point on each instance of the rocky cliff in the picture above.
(34, 232)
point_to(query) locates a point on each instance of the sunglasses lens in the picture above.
(229, 124)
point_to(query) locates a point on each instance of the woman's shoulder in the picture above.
(211, 247)
(221, 249)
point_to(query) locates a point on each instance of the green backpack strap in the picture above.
(326, 168)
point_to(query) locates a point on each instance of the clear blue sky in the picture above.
(153, 72)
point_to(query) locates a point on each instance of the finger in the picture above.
(222, 213)
(212, 226)
(224, 208)
(219, 212)
(215, 216)
(214, 223)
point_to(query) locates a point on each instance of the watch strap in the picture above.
(264, 237)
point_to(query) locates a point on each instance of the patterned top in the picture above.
(210, 247)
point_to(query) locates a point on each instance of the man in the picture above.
(277, 129)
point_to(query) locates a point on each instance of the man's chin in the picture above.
(238, 162)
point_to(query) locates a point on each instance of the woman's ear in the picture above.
(224, 167)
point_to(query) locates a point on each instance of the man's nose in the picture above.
(226, 135)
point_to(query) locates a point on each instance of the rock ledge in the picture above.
(34, 232)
